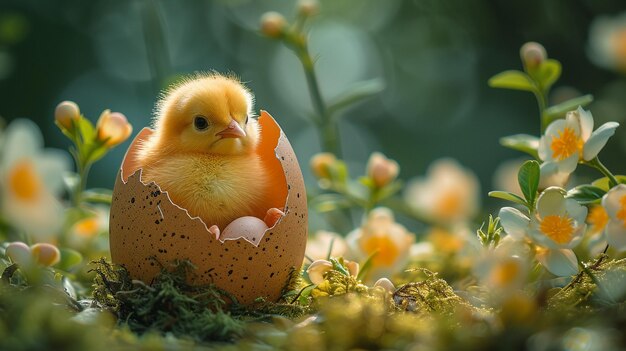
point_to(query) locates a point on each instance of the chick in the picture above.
(203, 150)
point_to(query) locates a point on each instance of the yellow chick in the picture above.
(203, 150)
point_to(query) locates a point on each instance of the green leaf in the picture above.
(548, 73)
(366, 266)
(522, 142)
(516, 80)
(559, 111)
(603, 183)
(69, 258)
(388, 191)
(86, 130)
(505, 195)
(528, 178)
(586, 194)
(360, 91)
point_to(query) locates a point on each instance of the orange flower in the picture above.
(113, 128)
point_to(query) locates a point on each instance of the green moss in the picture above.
(429, 295)
(602, 284)
(170, 305)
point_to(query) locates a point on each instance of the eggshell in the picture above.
(146, 226)
(247, 228)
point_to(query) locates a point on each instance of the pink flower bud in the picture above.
(308, 8)
(381, 169)
(46, 254)
(19, 253)
(533, 54)
(321, 163)
(113, 128)
(67, 114)
(273, 24)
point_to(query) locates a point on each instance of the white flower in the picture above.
(448, 194)
(597, 219)
(31, 180)
(87, 229)
(614, 202)
(381, 235)
(570, 140)
(607, 42)
(556, 225)
(318, 245)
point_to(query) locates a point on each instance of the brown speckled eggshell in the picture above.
(145, 224)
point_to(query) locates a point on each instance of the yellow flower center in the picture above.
(87, 227)
(449, 205)
(387, 250)
(597, 218)
(621, 213)
(504, 273)
(566, 144)
(557, 228)
(24, 182)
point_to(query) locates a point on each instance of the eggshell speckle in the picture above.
(146, 226)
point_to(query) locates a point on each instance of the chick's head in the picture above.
(210, 114)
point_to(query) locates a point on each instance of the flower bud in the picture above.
(533, 54)
(67, 114)
(381, 169)
(273, 24)
(113, 128)
(46, 254)
(317, 270)
(321, 163)
(308, 8)
(19, 253)
(385, 284)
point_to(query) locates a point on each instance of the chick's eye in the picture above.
(200, 122)
(247, 119)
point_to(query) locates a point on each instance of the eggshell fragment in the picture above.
(145, 225)
(247, 227)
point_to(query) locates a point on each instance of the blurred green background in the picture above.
(435, 57)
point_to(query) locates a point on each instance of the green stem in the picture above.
(324, 122)
(595, 163)
(542, 104)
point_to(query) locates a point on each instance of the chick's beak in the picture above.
(233, 130)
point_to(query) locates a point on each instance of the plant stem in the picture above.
(324, 122)
(542, 104)
(595, 163)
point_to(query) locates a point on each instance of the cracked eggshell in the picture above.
(145, 226)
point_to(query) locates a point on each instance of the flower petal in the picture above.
(551, 176)
(611, 200)
(51, 164)
(598, 139)
(545, 153)
(576, 211)
(569, 164)
(586, 123)
(22, 139)
(616, 235)
(514, 222)
(551, 202)
(561, 262)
